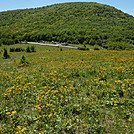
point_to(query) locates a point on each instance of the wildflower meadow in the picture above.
(68, 91)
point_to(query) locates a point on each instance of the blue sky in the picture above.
(126, 6)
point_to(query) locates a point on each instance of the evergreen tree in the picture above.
(6, 55)
(28, 49)
(33, 48)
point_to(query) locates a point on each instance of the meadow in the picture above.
(67, 91)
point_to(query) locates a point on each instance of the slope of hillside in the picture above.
(78, 22)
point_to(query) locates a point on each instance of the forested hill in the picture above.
(78, 22)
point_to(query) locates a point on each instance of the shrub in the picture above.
(83, 48)
(33, 48)
(23, 61)
(96, 47)
(17, 49)
(28, 49)
(12, 49)
(25, 42)
(6, 55)
(118, 46)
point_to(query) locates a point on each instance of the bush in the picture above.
(118, 46)
(83, 48)
(33, 48)
(6, 41)
(25, 42)
(12, 49)
(96, 47)
(28, 49)
(23, 61)
(6, 55)
(17, 49)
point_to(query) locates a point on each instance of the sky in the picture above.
(126, 6)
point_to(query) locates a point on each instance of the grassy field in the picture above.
(68, 91)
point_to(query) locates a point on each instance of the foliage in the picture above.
(5, 54)
(96, 47)
(23, 61)
(20, 49)
(6, 41)
(118, 46)
(77, 23)
(68, 91)
(61, 49)
(17, 49)
(83, 48)
(28, 50)
(33, 48)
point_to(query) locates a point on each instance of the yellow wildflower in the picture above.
(0, 127)
(78, 109)
(40, 132)
(126, 126)
(50, 115)
(8, 113)
(19, 127)
(14, 112)
(130, 119)
(23, 129)
(84, 125)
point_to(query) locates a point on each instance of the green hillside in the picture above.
(78, 22)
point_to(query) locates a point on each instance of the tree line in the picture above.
(76, 23)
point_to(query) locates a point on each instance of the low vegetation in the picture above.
(5, 54)
(68, 91)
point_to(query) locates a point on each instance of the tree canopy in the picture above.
(78, 22)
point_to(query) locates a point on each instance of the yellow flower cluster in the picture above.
(69, 92)
(20, 130)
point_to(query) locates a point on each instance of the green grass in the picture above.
(67, 91)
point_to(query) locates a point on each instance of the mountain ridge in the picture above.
(74, 22)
